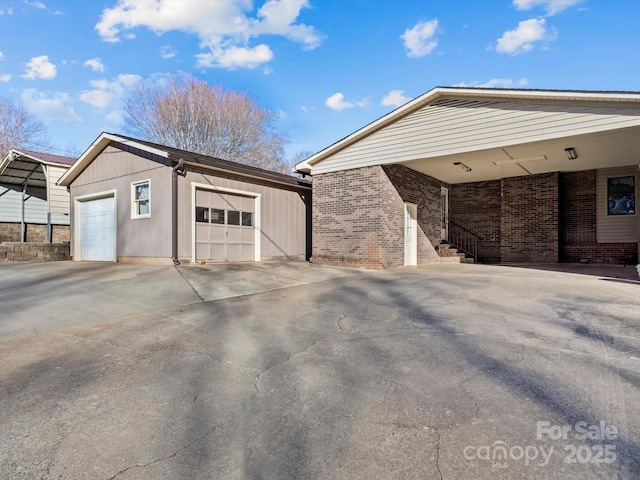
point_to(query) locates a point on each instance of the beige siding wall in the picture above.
(114, 169)
(457, 126)
(615, 228)
(283, 215)
(58, 196)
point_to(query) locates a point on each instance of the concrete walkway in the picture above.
(300, 371)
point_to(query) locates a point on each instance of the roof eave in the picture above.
(437, 92)
(98, 145)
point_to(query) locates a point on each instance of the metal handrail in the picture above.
(463, 239)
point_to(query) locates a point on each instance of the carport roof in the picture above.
(22, 166)
(174, 155)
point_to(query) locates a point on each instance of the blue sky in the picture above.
(327, 66)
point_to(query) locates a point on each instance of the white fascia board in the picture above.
(94, 150)
(433, 94)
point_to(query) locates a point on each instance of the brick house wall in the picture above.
(516, 219)
(578, 227)
(358, 216)
(540, 218)
(529, 219)
(476, 207)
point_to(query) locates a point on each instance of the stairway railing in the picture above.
(463, 239)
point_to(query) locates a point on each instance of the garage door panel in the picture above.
(229, 231)
(97, 229)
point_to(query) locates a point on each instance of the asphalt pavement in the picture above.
(298, 371)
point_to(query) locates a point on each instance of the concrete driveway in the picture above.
(297, 371)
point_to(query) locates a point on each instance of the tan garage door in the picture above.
(225, 228)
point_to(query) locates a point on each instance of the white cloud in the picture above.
(496, 83)
(364, 103)
(419, 40)
(36, 4)
(5, 77)
(225, 28)
(394, 98)
(115, 117)
(552, 7)
(40, 67)
(235, 57)
(53, 108)
(336, 102)
(167, 52)
(267, 70)
(95, 64)
(522, 38)
(2, 57)
(107, 94)
(6, 11)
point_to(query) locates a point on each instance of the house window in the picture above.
(621, 195)
(141, 199)
(247, 219)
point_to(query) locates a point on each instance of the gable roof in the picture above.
(174, 155)
(22, 166)
(496, 94)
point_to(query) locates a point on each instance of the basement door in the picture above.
(225, 227)
(410, 234)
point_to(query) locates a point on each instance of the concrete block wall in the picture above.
(10, 232)
(358, 216)
(11, 252)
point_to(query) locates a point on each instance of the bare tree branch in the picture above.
(19, 128)
(191, 115)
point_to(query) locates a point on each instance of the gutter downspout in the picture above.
(178, 169)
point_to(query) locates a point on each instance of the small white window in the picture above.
(141, 199)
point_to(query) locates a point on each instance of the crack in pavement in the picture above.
(174, 454)
(438, 453)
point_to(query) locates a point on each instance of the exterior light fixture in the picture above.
(462, 166)
(571, 153)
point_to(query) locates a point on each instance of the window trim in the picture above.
(134, 203)
(635, 196)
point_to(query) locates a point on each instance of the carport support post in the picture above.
(49, 228)
(23, 230)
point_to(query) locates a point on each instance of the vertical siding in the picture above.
(615, 228)
(282, 214)
(114, 169)
(58, 196)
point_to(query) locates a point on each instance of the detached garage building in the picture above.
(133, 200)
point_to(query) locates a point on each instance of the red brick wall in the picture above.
(578, 232)
(358, 216)
(529, 219)
(476, 207)
(516, 219)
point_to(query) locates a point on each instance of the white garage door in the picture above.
(225, 229)
(97, 229)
